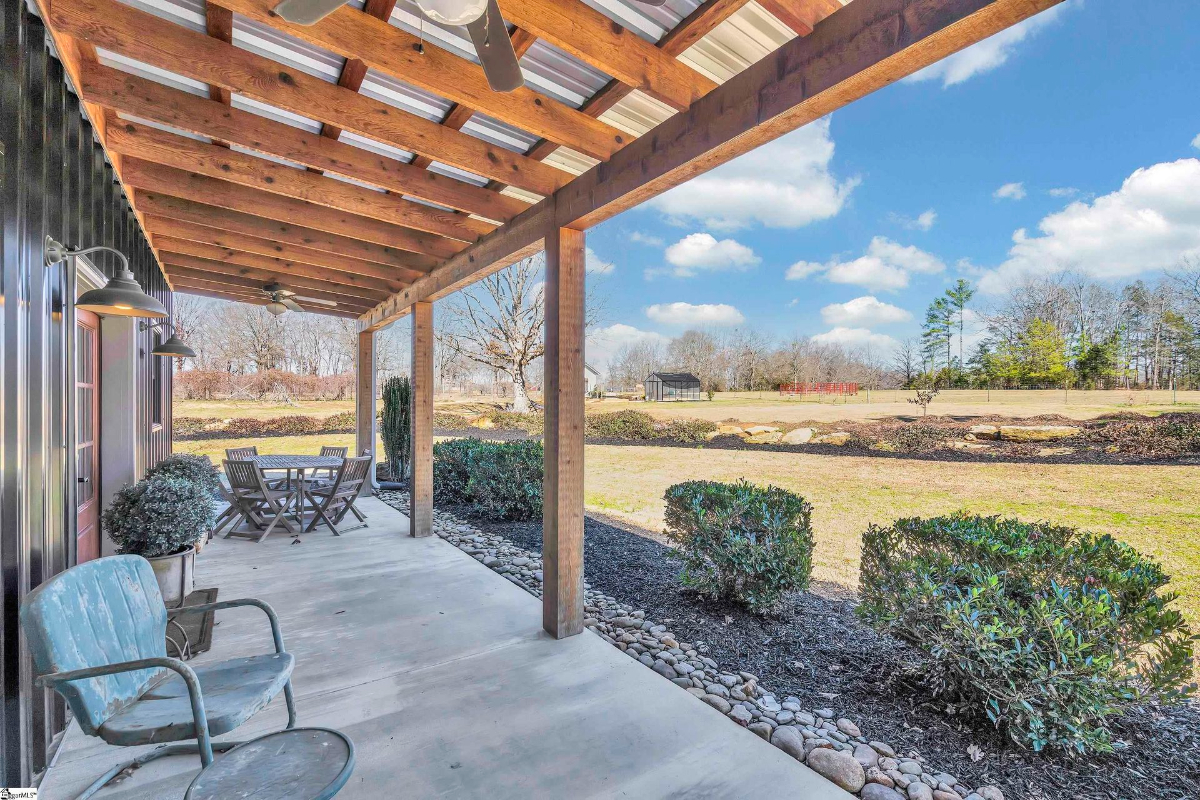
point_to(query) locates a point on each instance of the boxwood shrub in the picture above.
(741, 542)
(499, 480)
(159, 516)
(198, 469)
(1048, 631)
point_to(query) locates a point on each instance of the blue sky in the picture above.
(1071, 142)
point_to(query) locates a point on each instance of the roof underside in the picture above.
(337, 162)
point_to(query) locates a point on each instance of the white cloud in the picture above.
(688, 314)
(603, 343)
(594, 265)
(922, 222)
(648, 239)
(1150, 223)
(702, 252)
(1010, 191)
(988, 54)
(885, 266)
(864, 312)
(858, 339)
(1196, 142)
(1063, 191)
(784, 184)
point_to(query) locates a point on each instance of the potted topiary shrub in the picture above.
(161, 519)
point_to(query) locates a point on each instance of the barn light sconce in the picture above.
(122, 296)
(173, 347)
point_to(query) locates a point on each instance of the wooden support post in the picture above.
(562, 515)
(364, 401)
(421, 495)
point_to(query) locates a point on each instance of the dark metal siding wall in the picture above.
(53, 180)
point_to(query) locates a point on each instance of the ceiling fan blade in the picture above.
(290, 303)
(495, 50)
(314, 301)
(307, 12)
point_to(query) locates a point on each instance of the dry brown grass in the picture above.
(1151, 507)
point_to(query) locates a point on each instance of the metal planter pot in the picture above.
(176, 574)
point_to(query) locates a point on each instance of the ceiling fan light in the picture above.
(278, 309)
(453, 12)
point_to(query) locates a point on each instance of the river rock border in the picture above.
(830, 745)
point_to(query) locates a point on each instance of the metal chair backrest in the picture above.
(241, 453)
(101, 612)
(244, 476)
(339, 452)
(351, 475)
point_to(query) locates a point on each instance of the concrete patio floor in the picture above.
(439, 671)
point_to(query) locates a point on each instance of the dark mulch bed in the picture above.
(819, 651)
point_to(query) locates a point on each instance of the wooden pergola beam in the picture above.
(130, 94)
(865, 46)
(202, 234)
(353, 34)
(354, 71)
(172, 150)
(282, 233)
(142, 36)
(595, 39)
(357, 285)
(153, 177)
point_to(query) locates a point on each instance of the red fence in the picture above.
(818, 388)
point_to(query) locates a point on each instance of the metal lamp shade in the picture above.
(175, 348)
(276, 308)
(122, 296)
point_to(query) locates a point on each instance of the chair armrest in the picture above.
(276, 633)
(189, 679)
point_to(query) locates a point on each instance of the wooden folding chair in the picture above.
(337, 499)
(248, 453)
(254, 497)
(322, 474)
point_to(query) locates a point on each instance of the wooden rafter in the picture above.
(130, 94)
(161, 147)
(221, 263)
(594, 38)
(459, 115)
(154, 177)
(142, 36)
(800, 15)
(371, 283)
(390, 50)
(202, 234)
(864, 47)
(354, 71)
(166, 204)
(245, 296)
(256, 280)
(219, 24)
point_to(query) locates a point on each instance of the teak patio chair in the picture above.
(328, 473)
(337, 498)
(249, 452)
(254, 498)
(97, 634)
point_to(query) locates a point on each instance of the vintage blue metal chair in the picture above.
(97, 633)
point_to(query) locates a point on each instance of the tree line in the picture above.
(1062, 330)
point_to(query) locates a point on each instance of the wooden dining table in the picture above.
(299, 465)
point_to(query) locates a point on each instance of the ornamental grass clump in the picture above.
(159, 516)
(741, 542)
(1048, 631)
(499, 480)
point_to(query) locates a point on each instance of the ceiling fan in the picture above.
(282, 300)
(482, 19)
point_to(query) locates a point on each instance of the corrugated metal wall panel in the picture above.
(53, 180)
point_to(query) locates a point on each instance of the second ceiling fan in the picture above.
(482, 19)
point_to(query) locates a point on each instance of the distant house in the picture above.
(672, 386)
(591, 378)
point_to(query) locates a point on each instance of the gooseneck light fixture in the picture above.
(122, 296)
(173, 347)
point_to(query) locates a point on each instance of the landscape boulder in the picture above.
(757, 430)
(798, 436)
(770, 437)
(838, 438)
(984, 432)
(1036, 433)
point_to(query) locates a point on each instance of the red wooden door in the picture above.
(87, 435)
